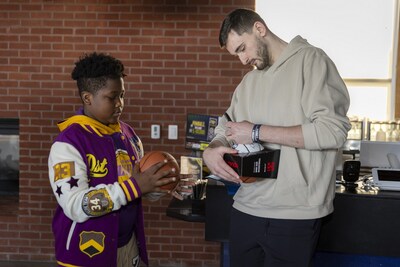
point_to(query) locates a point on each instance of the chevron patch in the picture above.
(91, 243)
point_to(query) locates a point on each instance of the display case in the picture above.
(384, 131)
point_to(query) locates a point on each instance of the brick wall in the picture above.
(174, 66)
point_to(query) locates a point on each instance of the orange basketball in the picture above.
(154, 157)
(246, 179)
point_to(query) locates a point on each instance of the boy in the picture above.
(94, 174)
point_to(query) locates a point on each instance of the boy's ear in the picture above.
(86, 97)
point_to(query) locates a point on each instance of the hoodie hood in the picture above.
(296, 44)
(90, 125)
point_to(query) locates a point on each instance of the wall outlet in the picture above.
(155, 131)
(173, 132)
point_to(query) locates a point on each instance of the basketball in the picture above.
(248, 180)
(154, 157)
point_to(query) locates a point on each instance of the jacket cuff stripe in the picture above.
(133, 187)
(127, 194)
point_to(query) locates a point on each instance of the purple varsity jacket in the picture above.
(99, 202)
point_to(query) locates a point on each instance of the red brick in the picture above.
(174, 66)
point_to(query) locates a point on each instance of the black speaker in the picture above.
(351, 170)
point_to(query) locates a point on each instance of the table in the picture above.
(365, 223)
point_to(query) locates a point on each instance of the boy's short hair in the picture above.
(240, 20)
(92, 71)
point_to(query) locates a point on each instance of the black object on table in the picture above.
(190, 210)
(219, 204)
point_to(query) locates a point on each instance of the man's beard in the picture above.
(262, 53)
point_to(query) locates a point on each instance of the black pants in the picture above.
(264, 242)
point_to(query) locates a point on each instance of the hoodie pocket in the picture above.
(291, 186)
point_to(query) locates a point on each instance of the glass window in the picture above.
(365, 99)
(360, 36)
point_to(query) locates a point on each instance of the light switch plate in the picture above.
(173, 132)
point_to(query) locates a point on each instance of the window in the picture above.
(9, 157)
(360, 36)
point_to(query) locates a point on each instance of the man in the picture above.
(294, 100)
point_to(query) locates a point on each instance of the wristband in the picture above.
(255, 133)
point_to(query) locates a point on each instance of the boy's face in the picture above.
(107, 104)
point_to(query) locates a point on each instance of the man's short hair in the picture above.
(241, 21)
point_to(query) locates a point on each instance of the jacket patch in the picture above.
(137, 146)
(124, 165)
(73, 182)
(59, 191)
(63, 170)
(97, 202)
(91, 243)
(97, 169)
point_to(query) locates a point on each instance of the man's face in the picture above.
(107, 104)
(250, 49)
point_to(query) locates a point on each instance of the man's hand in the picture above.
(214, 159)
(239, 132)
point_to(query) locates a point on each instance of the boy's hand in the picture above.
(152, 179)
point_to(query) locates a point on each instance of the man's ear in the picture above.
(86, 97)
(260, 28)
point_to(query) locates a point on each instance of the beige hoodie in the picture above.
(303, 87)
